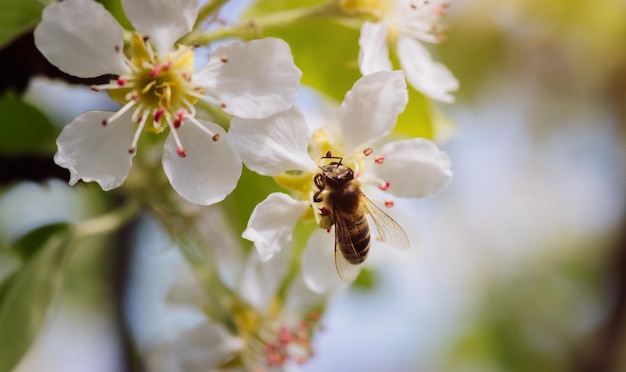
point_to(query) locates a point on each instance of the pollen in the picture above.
(160, 85)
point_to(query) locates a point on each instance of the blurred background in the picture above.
(520, 263)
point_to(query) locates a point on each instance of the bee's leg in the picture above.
(319, 183)
(316, 197)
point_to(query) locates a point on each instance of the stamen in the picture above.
(155, 71)
(121, 81)
(216, 137)
(384, 186)
(368, 151)
(157, 115)
(203, 128)
(379, 159)
(142, 122)
(224, 59)
(181, 116)
(389, 203)
(190, 108)
(179, 146)
(119, 113)
(223, 105)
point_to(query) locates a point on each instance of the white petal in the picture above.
(300, 297)
(80, 38)
(204, 347)
(273, 145)
(260, 280)
(414, 168)
(210, 170)
(429, 77)
(271, 224)
(93, 152)
(371, 108)
(257, 80)
(318, 264)
(164, 21)
(374, 52)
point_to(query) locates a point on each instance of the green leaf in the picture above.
(326, 50)
(25, 129)
(18, 16)
(26, 296)
(417, 118)
(30, 243)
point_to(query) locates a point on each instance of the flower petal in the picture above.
(81, 38)
(318, 264)
(252, 80)
(374, 52)
(93, 152)
(414, 168)
(271, 223)
(371, 108)
(164, 21)
(260, 279)
(203, 348)
(429, 77)
(209, 171)
(273, 145)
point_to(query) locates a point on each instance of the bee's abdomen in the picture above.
(360, 236)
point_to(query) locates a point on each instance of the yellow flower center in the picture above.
(159, 86)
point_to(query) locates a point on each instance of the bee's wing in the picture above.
(345, 269)
(388, 229)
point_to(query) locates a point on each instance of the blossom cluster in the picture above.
(341, 176)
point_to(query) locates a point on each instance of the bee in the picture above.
(347, 207)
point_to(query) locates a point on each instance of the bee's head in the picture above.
(336, 175)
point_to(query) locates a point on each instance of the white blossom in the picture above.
(158, 85)
(403, 25)
(411, 168)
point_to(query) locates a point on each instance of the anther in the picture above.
(117, 48)
(155, 71)
(223, 105)
(157, 115)
(167, 66)
(216, 137)
(368, 151)
(105, 122)
(384, 186)
(131, 150)
(324, 212)
(121, 82)
(224, 59)
(389, 203)
(181, 152)
(379, 159)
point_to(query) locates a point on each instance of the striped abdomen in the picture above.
(355, 245)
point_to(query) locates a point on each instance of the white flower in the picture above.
(158, 86)
(264, 334)
(411, 168)
(403, 25)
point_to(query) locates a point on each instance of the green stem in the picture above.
(254, 28)
(108, 222)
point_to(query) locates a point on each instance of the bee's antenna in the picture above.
(329, 155)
